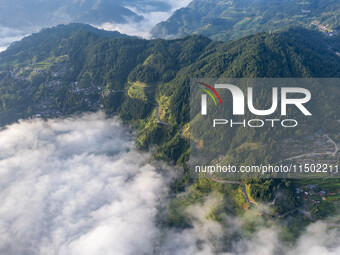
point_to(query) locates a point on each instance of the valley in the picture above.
(68, 70)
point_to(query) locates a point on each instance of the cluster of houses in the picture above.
(46, 106)
(325, 29)
(309, 191)
(74, 88)
(312, 190)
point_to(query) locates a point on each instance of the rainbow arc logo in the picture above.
(209, 93)
(204, 97)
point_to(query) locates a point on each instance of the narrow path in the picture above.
(274, 201)
(159, 118)
(335, 145)
(159, 121)
(333, 154)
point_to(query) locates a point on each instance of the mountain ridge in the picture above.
(224, 20)
(146, 83)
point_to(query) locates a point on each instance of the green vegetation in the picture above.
(231, 19)
(68, 70)
(141, 90)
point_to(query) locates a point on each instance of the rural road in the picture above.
(262, 208)
(243, 186)
(316, 154)
(244, 191)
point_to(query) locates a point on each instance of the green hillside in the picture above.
(63, 71)
(49, 40)
(224, 20)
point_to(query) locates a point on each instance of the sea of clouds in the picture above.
(76, 186)
(79, 186)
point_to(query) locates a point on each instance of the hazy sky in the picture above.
(152, 16)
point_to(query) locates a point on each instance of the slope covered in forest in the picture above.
(69, 70)
(224, 20)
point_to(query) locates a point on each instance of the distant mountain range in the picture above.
(19, 18)
(38, 13)
(230, 19)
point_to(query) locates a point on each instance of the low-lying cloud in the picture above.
(230, 238)
(78, 186)
(151, 18)
(9, 35)
(152, 15)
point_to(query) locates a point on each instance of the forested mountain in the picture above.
(163, 66)
(48, 40)
(113, 63)
(72, 69)
(223, 20)
(19, 18)
(21, 14)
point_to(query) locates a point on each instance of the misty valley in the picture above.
(120, 131)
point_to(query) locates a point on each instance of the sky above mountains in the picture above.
(152, 16)
(19, 18)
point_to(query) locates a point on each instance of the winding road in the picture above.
(315, 153)
(246, 197)
(336, 146)
(334, 153)
(243, 186)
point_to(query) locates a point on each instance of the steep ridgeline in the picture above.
(67, 70)
(47, 41)
(224, 20)
(77, 68)
(147, 71)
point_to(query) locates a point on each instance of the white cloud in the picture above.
(210, 237)
(205, 232)
(9, 35)
(318, 239)
(76, 186)
(151, 18)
